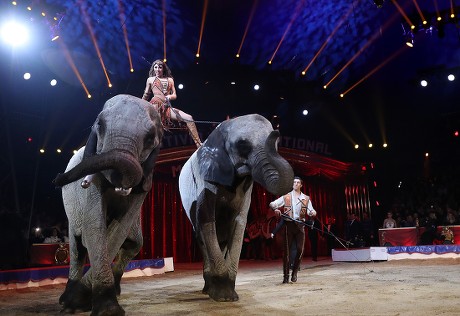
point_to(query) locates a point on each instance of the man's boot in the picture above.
(194, 133)
(295, 269)
(286, 273)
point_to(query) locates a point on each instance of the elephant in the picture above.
(122, 149)
(215, 186)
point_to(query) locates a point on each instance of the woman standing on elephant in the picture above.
(159, 91)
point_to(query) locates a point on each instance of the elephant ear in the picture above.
(147, 168)
(214, 161)
(91, 144)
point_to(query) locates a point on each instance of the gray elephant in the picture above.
(122, 150)
(215, 186)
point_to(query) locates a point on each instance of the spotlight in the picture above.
(256, 87)
(356, 146)
(451, 77)
(27, 76)
(409, 34)
(410, 39)
(305, 112)
(14, 34)
(423, 83)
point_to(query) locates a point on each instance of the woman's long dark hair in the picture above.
(166, 71)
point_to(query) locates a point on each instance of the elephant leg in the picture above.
(116, 237)
(233, 251)
(206, 264)
(129, 249)
(76, 296)
(219, 286)
(104, 298)
(236, 237)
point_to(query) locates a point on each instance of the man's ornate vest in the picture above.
(288, 210)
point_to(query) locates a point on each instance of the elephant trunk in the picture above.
(124, 170)
(271, 170)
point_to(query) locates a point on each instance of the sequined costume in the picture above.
(156, 95)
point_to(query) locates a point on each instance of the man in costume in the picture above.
(296, 206)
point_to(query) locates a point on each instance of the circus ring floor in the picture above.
(325, 287)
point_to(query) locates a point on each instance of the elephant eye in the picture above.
(244, 147)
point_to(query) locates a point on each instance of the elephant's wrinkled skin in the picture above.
(215, 186)
(102, 224)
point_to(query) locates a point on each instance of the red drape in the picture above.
(165, 226)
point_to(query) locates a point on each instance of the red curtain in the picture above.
(165, 225)
(168, 232)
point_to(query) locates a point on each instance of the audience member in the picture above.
(430, 234)
(450, 219)
(367, 230)
(353, 231)
(389, 222)
(54, 238)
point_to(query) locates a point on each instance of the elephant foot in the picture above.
(76, 297)
(105, 302)
(205, 289)
(122, 191)
(222, 289)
